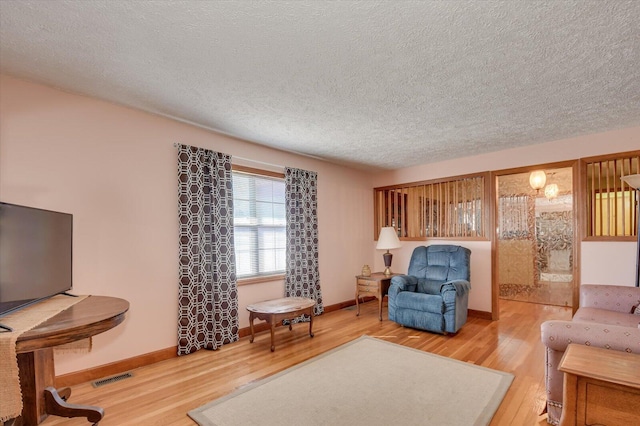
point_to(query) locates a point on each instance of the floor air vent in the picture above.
(112, 379)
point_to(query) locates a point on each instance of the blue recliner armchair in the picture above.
(434, 294)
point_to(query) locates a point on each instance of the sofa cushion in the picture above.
(420, 302)
(603, 316)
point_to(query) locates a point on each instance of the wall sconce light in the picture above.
(387, 240)
(551, 191)
(537, 179)
(634, 182)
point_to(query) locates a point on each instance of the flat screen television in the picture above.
(35, 255)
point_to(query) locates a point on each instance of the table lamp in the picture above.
(387, 240)
(634, 182)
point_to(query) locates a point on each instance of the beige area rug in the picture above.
(22, 321)
(366, 382)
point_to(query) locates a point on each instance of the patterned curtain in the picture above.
(208, 294)
(301, 200)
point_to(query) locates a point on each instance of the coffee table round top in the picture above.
(283, 305)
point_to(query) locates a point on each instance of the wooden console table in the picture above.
(89, 317)
(601, 386)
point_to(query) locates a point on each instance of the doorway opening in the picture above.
(535, 237)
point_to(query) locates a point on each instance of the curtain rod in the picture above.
(175, 145)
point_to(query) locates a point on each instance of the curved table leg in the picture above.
(56, 405)
(273, 329)
(251, 326)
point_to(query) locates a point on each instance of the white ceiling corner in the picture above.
(383, 84)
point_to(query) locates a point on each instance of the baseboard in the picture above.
(114, 368)
(479, 314)
(111, 369)
(347, 304)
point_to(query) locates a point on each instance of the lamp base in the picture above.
(387, 262)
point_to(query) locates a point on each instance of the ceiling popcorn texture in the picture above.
(375, 84)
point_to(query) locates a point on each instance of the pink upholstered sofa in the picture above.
(603, 320)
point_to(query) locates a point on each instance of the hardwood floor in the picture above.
(162, 393)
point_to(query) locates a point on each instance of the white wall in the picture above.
(115, 170)
(608, 263)
(605, 263)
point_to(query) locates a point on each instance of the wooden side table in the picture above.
(601, 386)
(376, 285)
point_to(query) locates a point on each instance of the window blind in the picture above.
(259, 225)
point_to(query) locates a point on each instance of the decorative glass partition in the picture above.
(452, 208)
(535, 239)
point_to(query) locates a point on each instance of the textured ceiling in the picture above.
(384, 84)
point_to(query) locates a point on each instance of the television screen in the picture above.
(35, 255)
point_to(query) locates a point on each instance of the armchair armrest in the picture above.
(459, 286)
(610, 297)
(454, 290)
(557, 335)
(402, 283)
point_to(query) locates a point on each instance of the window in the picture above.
(451, 208)
(259, 224)
(611, 202)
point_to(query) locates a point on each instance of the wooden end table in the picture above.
(601, 386)
(277, 310)
(376, 285)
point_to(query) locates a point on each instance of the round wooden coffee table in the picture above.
(276, 310)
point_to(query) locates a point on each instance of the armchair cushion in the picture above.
(420, 302)
(429, 286)
(440, 263)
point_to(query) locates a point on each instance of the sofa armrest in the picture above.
(610, 297)
(557, 335)
(402, 283)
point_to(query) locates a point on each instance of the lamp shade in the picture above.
(537, 179)
(388, 239)
(632, 180)
(551, 191)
